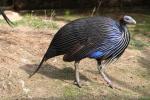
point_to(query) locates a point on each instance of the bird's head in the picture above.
(127, 20)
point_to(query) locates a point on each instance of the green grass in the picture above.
(145, 98)
(141, 30)
(34, 22)
(2, 21)
(143, 25)
(72, 93)
(138, 44)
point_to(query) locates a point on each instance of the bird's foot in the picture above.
(77, 83)
(113, 86)
(110, 84)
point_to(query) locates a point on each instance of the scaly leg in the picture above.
(101, 69)
(77, 77)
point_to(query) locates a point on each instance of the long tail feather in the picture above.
(37, 69)
(49, 54)
(6, 18)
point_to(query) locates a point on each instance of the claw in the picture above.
(77, 83)
(110, 85)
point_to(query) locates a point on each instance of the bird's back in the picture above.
(81, 37)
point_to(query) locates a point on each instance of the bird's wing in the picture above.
(94, 36)
(81, 37)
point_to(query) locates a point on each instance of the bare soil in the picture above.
(22, 48)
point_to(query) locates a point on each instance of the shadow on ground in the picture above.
(142, 89)
(53, 72)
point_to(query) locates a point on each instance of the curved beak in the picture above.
(133, 21)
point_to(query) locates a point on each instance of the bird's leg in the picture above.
(77, 77)
(101, 69)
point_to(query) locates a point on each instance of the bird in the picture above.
(9, 22)
(101, 38)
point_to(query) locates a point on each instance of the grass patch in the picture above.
(143, 29)
(145, 98)
(72, 93)
(34, 21)
(2, 21)
(138, 44)
(140, 33)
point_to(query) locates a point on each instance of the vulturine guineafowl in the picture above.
(100, 38)
(6, 18)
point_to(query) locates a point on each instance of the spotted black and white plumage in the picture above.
(100, 38)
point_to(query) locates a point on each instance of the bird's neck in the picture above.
(122, 22)
(122, 26)
(125, 32)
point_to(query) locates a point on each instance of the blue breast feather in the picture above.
(96, 54)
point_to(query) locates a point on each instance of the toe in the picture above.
(77, 83)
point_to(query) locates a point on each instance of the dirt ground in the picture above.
(22, 48)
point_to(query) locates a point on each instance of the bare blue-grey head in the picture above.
(129, 20)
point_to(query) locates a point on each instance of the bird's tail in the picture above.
(37, 69)
(6, 18)
(49, 54)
